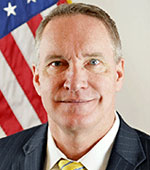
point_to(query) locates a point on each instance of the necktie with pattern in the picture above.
(70, 165)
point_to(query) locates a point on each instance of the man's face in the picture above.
(77, 77)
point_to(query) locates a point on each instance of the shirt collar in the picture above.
(99, 154)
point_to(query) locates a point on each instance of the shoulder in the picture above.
(145, 143)
(145, 140)
(136, 140)
(134, 133)
(25, 134)
(16, 141)
(12, 148)
(143, 135)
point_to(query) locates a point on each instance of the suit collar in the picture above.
(127, 148)
(36, 139)
(34, 149)
(127, 152)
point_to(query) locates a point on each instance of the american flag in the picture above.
(20, 105)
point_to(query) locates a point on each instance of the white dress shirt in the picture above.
(96, 159)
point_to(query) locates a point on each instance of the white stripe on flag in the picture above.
(2, 133)
(25, 41)
(15, 96)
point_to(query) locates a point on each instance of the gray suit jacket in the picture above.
(26, 150)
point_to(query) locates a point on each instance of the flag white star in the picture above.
(10, 9)
(28, 1)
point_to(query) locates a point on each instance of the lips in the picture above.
(76, 98)
(75, 101)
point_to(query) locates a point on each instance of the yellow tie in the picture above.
(70, 165)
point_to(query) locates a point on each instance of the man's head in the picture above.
(78, 72)
(85, 9)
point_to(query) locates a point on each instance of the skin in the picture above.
(77, 79)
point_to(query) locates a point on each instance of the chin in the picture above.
(78, 121)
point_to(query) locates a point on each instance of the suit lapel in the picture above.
(33, 151)
(116, 162)
(127, 152)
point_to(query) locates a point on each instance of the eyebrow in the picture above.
(95, 54)
(51, 57)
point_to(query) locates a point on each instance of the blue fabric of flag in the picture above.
(24, 10)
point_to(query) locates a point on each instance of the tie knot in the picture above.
(70, 165)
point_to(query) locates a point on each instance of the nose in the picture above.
(76, 79)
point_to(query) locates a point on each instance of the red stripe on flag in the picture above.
(34, 23)
(62, 2)
(23, 73)
(8, 120)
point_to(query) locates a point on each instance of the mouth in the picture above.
(70, 101)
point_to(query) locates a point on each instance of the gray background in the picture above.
(133, 21)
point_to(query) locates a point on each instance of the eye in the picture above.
(57, 66)
(94, 62)
(95, 65)
(56, 63)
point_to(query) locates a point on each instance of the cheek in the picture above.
(103, 83)
(46, 87)
(50, 85)
(47, 93)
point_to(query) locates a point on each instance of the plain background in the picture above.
(133, 21)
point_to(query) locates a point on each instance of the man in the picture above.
(78, 71)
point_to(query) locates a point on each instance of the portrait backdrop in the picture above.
(21, 107)
(133, 22)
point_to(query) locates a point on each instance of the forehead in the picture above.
(76, 32)
(74, 24)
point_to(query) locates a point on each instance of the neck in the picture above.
(75, 144)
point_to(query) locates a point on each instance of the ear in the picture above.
(119, 74)
(36, 80)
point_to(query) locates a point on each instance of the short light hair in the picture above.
(85, 9)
